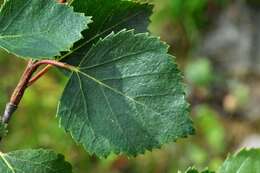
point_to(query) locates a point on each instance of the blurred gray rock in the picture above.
(234, 43)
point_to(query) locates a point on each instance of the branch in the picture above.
(39, 75)
(19, 91)
(47, 68)
(57, 64)
(27, 80)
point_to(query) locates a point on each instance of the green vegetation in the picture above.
(123, 107)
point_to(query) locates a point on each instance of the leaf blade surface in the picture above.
(33, 161)
(39, 29)
(108, 16)
(127, 97)
(245, 161)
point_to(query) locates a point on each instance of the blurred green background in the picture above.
(217, 47)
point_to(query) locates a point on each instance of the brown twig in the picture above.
(22, 85)
(55, 63)
(26, 80)
(50, 64)
(19, 91)
(39, 75)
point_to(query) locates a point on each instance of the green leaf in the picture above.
(39, 29)
(33, 161)
(126, 97)
(108, 16)
(246, 161)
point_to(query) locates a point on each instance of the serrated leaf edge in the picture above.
(189, 131)
(149, 5)
(88, 20)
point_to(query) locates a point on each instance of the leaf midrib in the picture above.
(117, 59)
(22, 35)
(2, 155)
(116, 91)
(85, 103)
(111, 109)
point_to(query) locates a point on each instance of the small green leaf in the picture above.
(33, 161)
(108, 16)
(246, 161)
(39, 29)
(126, 97)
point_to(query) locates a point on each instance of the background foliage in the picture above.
(218, 100)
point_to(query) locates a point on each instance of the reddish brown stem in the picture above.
(30, 69)
(55, 63)
(26, 80)
(47, 68)
(39, 75)
(19, 91)
(22, 85)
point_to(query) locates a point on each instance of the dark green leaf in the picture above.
(33, 161)
(246, 161)
(39, 29)
(126, 97)
(108, 16)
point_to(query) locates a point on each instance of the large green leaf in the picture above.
(39, 29)
(126, 97)
(33, 161)
(246, 161)
(108, 16)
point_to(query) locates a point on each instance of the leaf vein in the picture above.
(16, 15)
(118, 92)
(119, 125)
(116, 59)
(2, 155)
(85, 106)
(135, 76)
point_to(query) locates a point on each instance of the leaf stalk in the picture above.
(27, 80)
(19, 91)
